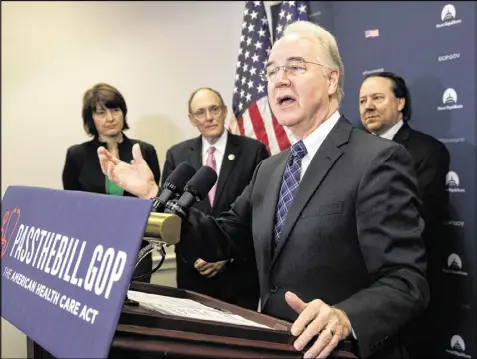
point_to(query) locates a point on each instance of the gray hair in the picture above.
(325, 40)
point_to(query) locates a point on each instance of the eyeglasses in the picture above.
(213, 110)
(291, 67)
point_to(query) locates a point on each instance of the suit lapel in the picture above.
(324, 159)
(195, 153)
(195, 158)
(270, 205)
(232, 151)
(403, 135)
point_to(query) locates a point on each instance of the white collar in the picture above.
(314, 140)
(219, 145)
(391, 132)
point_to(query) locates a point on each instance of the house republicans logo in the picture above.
(457, 345)
(448, 16)
(9, 224)
(452, 183)
(449, 100)
(454, 265)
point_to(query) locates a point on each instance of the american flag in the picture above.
(253, 117)
(371, 33)
(252, 114)
(290, 11)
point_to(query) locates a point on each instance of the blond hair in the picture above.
(325, 40)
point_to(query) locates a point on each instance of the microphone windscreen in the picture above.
(179, 177)
(203, 181)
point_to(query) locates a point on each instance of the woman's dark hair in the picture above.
(106, 96)
(400, 90)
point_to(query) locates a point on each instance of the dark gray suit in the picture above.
(238, 282)
(352, 237)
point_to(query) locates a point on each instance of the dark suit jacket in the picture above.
(82, 172)
(352, 237)
(431, 161)
(238, 283)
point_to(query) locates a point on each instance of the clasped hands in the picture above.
(207, 269)
(316, 318)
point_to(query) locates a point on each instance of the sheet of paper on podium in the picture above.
(188, 308)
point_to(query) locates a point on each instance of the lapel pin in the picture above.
(231, 157)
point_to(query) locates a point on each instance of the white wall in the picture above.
(155, 53)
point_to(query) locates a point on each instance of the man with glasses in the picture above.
(335, 219)
(234, 158)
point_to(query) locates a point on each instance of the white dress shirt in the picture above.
(391, 132)
(314, 140)
(218, 153)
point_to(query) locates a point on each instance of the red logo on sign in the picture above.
(9, 224)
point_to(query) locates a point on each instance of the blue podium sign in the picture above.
(67, 260)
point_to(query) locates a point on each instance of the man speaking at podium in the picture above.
(335, 219)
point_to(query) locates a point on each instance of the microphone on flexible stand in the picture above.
(195, 190)
(172, 188)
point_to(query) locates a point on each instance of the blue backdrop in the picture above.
(432, 45)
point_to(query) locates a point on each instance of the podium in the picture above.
(145, 333)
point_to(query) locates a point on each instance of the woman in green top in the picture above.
(104, 119)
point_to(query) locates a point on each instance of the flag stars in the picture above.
(258, 45)
(302, 8)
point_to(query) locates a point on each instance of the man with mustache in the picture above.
(335, 220)
(385, 109)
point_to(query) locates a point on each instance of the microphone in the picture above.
(195, 190)
(173, 186)
(168, 223)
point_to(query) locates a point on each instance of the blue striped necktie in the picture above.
(290, 183)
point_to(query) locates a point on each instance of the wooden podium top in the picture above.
(148, 333)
